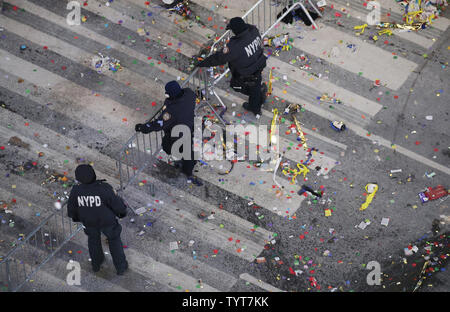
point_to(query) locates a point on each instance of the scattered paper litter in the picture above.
(173, 245)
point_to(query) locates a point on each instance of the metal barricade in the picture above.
(137, 153)
(21, 263)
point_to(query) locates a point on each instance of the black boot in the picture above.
(246, 107)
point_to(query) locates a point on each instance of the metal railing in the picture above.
(21, 263)
(136, 155)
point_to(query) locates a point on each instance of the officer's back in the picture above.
(93, 202)
(247, 54)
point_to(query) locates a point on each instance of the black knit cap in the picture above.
(85, 174)
(237, 25)
(173, 89)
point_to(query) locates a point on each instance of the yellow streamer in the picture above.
(385, 32)
(302, 170)
(300, 132)
(360, 27)
(370, 196)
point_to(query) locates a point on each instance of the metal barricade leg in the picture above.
(311, 3)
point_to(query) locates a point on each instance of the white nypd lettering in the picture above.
(89, 201)
(253, 47)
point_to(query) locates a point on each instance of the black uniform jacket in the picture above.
(176, 111)
(95, 205)
(244, 54)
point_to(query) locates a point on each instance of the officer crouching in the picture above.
(95, 204)
(179, 109)
(244, 54)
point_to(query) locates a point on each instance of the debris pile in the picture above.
(103, 63)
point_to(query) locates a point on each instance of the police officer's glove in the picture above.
(201, 64)
(122, 215)
(138, 127)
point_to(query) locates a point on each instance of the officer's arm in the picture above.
(164, 121)
(115, 202)
(219, 58)
(72, 207)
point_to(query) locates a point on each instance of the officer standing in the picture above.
(95, 204)
(178, 109)
(244, 54)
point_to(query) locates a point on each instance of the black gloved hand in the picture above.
(122, 215)
(138, 127)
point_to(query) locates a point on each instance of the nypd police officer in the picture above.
(178, 109)
(244, 54)
(95, 204)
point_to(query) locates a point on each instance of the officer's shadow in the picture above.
(161, 170)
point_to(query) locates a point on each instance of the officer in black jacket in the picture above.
(178, 110)
(95, 204)
(244, 54)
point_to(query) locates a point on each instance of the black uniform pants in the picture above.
(187, 164)
(252, 89)
(115, 246)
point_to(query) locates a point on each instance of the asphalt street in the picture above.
(57, 111)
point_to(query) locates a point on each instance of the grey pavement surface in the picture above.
(64, 113)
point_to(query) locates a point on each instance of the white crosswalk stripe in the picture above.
(408, 35)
